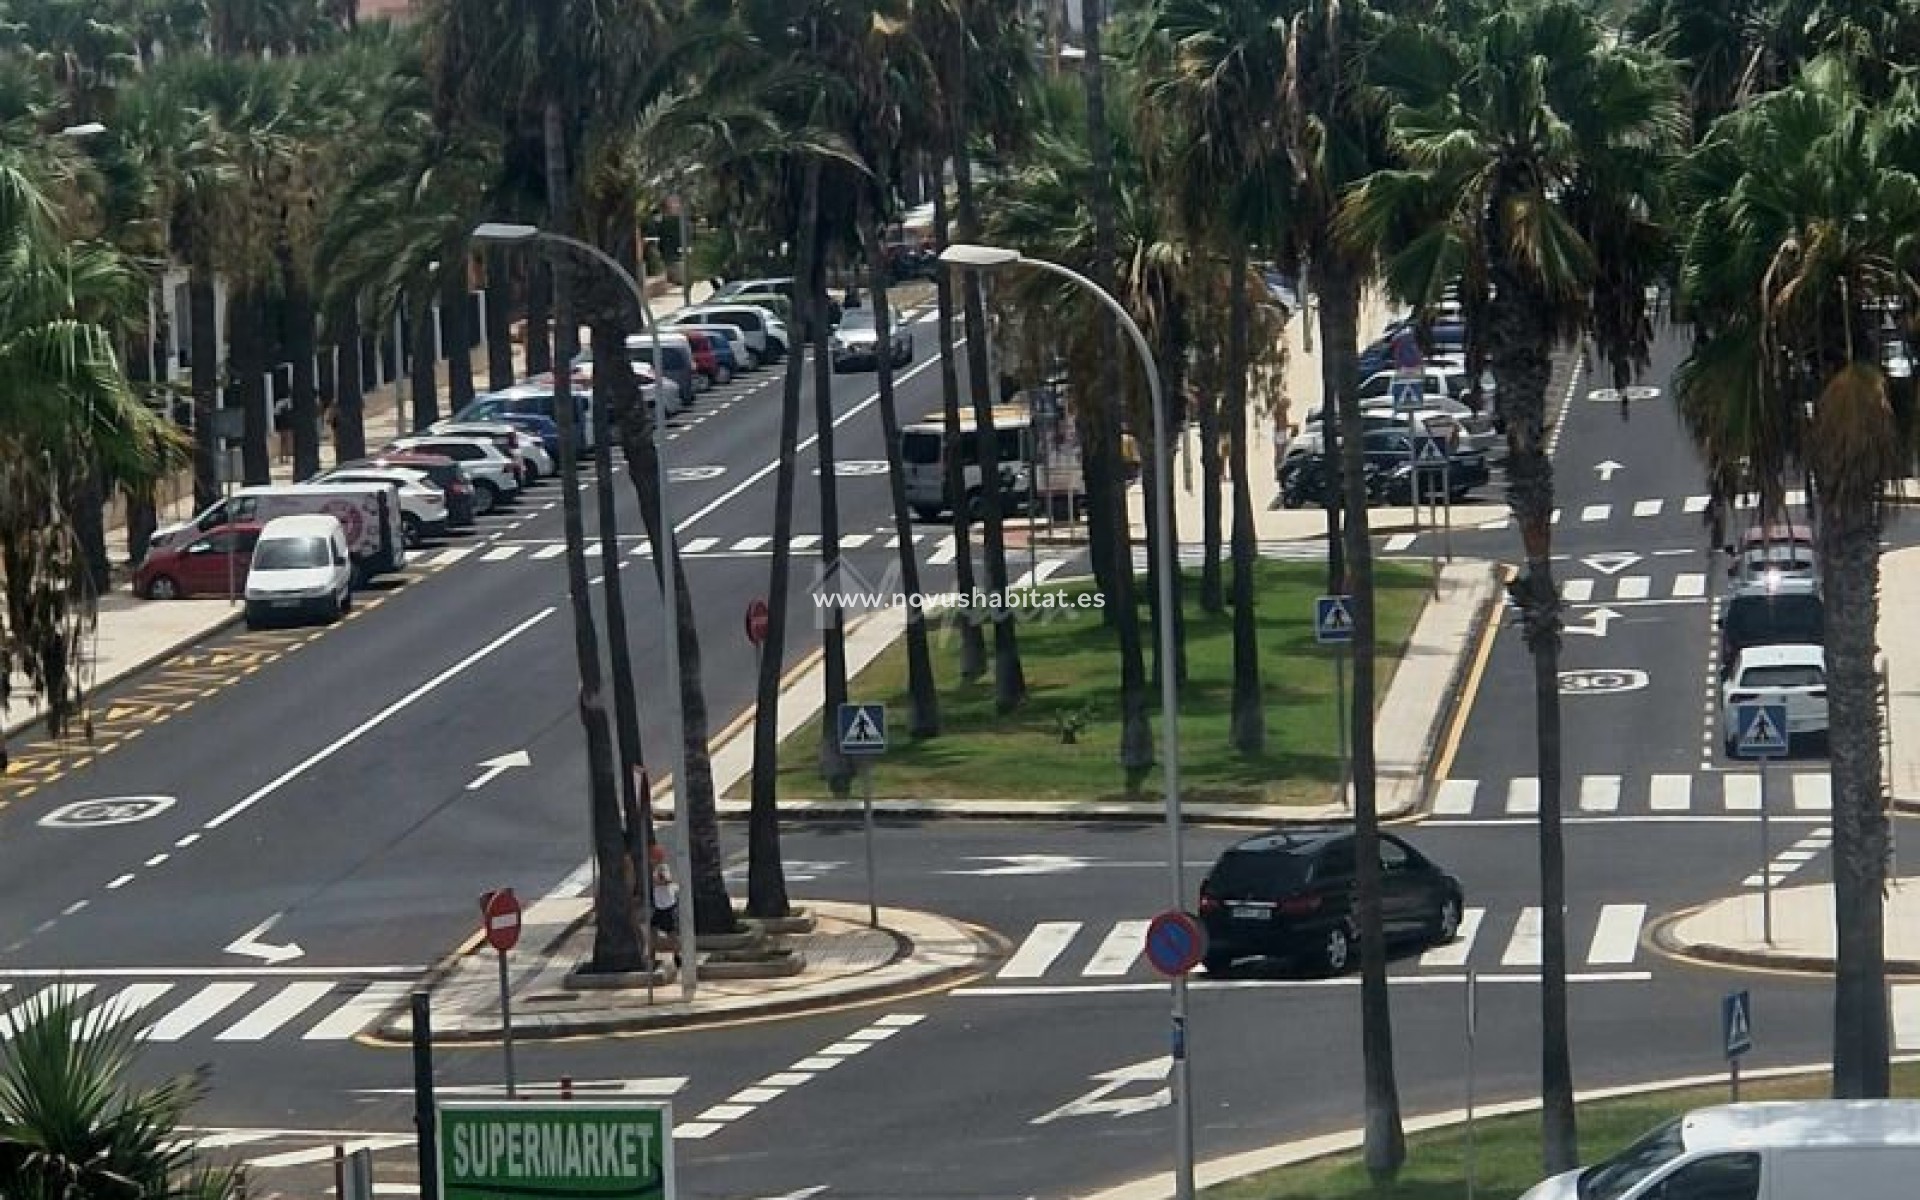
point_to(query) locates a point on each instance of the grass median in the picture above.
(1072, 670)
(1507, 1149)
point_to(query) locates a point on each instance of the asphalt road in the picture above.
(320, 787)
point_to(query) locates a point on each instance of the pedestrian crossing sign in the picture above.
(1408, 393)
(1333, 620)
(1428, 452)
(863, 728)
(1736, 1024)
(1760, 730)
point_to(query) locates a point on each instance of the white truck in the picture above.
(369, 513)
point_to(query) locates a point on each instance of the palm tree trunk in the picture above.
(1850, 567)
(1248, 721)
(456, 333)
(1518, 341)
(203, 317)
(246, 349)
(499, 316)
(766, 875)
(1009, 680)
(422, 381)
(616, 933)
(89, 509)
(1212, 521)
(349, 392)
(973, 644)
(1334, 384)
(539, 327)
(1385, 1145)
(834, 767)
(924, 718)
(304, 413)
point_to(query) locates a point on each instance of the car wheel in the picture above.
(162, 587)
(1217, 962)
(927, 513)
(1336, 949)
(1446, 922)
(975, 507)
(411, 531)
(346, 599)
(724, 377)
(486, 497)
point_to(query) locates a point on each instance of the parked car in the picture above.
(1792, 675)
(1782, 560)
(1303, 481)
(540, 426)
(443, 472)
(496, 482)
(369, 512)
(1312, 436)
(1437, 382)
(300, 569)
(1780, 612)
(712, 357)
(213, 564)
(1392, 449)
(856, 343)
(734, 338)
(423, 506)
(523, 448)
(766, 334)
(1289, 894)
(926, 445)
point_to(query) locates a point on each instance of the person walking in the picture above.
(666, 901)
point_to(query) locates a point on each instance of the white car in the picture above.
(1442, 383)
(496, 481)
(535, 463)
(1793, 675)
(744, 358)
(300, 568)
(766, 333)
(423, 507)
(1311, 438)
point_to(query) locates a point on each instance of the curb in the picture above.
(1448, 711)
(1662, 934)
(134, 668)
(1217, 1171)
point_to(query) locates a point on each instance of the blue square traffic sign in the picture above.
(1760, 730)
(1736, 1024)
(863, 728)
(1409, 394)
(1333, 620)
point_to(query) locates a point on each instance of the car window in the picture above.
(287, 554)
(1393, 857)
(1716, 1177)
(1623, 1172)
(1783, 675)
(1258, 873)
(1788, 618)
(920, 449)
(1336, 861)
(857, 319)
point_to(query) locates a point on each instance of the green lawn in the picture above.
(1507, 1149)
(1072, 668)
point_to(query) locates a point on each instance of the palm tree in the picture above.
(1781, 261)
(1532, 138)
(74, 1122)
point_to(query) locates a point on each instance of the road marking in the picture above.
(854, 541)
(1648, 508)
(129, 1001)
(803, 542)
(700, 545)
(1399, 542)
(554, 551)
(1813, 792)
(206, 1004)
(1446, 979)
(1671, 793)
(1118, 949)
(320, 1154)
(1633, 587)
(593, 550)
(1689, 583)
(1456, 797)
(356, 1014)
(39, 1003)
(1616, 939)
(1694, 504)
(452, 554)
(1742, 793)
(500, 554)
(1455, 953)
(376, 720)
(1599, 793)
(748, 544)
(1596, 512)
(1523, 950)
(944, 552)
(1577, 591)
(263, 1022)
(1523, 795)
(1047, 941)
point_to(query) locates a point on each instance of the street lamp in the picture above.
(970, 257)
(85, 129)
(511, 234)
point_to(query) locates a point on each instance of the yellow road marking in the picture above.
(1444, 763)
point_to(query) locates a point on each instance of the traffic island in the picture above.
(1733, 931)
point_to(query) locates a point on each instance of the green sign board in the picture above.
(555, 1150)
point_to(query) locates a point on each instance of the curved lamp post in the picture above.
(966, 257)
(667, 553)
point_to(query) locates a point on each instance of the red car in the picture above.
(209, 565)
(705, 361)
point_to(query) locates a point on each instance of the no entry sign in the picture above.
(757, 617)
(500, 919)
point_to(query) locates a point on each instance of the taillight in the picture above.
(1743, 698)
(1299, 906)
(1208, 901)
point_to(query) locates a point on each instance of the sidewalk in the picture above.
(1730, 930)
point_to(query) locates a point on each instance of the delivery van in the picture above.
(1771, 1150)
(925, 447)
(369, 513)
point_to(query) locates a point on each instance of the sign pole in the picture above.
(866, 814)
(1473, 984)
(425, 1126)
(1446, 480)
(1340, 718)
(1733, 1079)
(1433, 548)
(1766, 861)
(863, 734)
(506, 1027)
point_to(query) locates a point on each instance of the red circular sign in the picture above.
(758, 616)
(1176, 942)
(500, 919)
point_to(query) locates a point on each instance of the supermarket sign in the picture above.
(558, 1150)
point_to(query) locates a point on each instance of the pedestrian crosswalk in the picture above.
(941, 548)
(221, 1010)
(1671, 793)
(1192, 554)
(1493, 939)
(1651, 507)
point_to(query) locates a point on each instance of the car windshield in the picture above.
(1783, 675)
(291, 554)
(1781, 618)
(857, 320)
(1259, 873)
(1617, 1175)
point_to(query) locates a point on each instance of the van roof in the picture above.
(1773, 1123)
(303, 525)
(1003, 414)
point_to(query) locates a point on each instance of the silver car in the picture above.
(855, 342)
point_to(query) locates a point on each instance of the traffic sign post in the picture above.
(1473, 1021)
(1333, 626)
(1176, 943)
(863, 737)
(1430, 457)
(560, 1149)
(759, 616)
(1760, 732)
(500, 922)
(1736, 1035)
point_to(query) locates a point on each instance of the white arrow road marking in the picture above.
(499, 764)
(1599, 619)
(1025, 864)
(1098, 1103)
(1606, 469)
(249, 944)
(1612, 562)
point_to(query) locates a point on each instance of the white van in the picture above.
(1771, 1150)
(370, 513)
(926, 445)
(300, 569)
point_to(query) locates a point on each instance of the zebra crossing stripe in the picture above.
(804, 541)
(264, 1021)
(1456, 797)
(1577, 591)
(593, 549)
(1523, 949)
(1119, 949)
(1596, 512)
(1599, 793)
(1742, 793)
(40, 1002)
(1671, 793)
(1689, 585)
(854, 541)
(1633, 587)
(1813, 793)
(1047, 941)
(206, 1004)
(700, 545)
(1616, 939)
(1455, 953)
(1523, 796)
(1648, 508)
(500, 554)
(943, 553)
(132, 999)
(747, 545)
(554, 551)
(320, 1154)
(1694, 504)
(1399, 542)
(452, 554)
(358, 1013)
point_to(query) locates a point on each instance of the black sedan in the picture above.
(1290, 894)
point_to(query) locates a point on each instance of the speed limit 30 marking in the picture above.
(108, 810)
(1601, 682)
(1632, 394)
